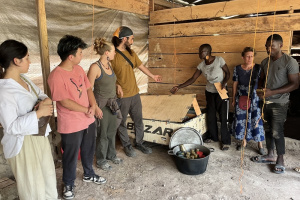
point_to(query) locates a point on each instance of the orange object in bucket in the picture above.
(79, 157)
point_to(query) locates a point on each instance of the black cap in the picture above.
(123, 31)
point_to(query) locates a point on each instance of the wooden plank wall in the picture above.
(133, 6)
(183, 30)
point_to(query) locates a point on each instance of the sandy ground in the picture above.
(155, 176)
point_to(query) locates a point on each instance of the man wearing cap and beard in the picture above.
(123, 64)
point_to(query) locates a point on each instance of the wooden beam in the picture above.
(221, 9)
(166, 4)
(133, 6)
(285, 22)
(151, 5)
(157, 7)
(196, 107)
(43, 42)
(191, 44)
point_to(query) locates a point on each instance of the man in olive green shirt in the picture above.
(123, 64)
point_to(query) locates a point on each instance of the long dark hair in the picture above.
(9, 50)
(116, 41)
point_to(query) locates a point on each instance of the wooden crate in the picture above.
(8, 189)
(164, 114)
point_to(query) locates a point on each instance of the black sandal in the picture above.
(225, 147)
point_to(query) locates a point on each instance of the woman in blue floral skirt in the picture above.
(241, 78)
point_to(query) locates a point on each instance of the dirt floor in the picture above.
(155, 176)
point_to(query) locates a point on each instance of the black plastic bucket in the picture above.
(191, 166)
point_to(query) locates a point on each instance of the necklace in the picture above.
(107, 68)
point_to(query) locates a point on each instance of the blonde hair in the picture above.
(101, 46)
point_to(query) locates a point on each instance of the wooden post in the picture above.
(291, 11)
(151, 6)
(44, 53)
(43, 41)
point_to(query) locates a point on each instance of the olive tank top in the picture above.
(105, 85)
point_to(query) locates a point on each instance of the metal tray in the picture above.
(185, 135)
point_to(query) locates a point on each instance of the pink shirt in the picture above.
(71, 85)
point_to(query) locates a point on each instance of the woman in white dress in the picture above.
(28, 155)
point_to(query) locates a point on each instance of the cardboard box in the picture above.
(164, 114)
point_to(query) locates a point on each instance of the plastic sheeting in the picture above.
(18, 20)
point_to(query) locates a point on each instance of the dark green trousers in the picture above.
(106, 137)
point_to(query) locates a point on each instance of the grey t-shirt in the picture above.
(213, 73)
(278, 75)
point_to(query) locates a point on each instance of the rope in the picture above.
(247, 111)
(249, 87)
(266, 79)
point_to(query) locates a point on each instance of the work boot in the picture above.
(129, 151)
(117, 160)
(104, 166)
(143, 148)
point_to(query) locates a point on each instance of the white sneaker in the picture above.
(96, 179)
